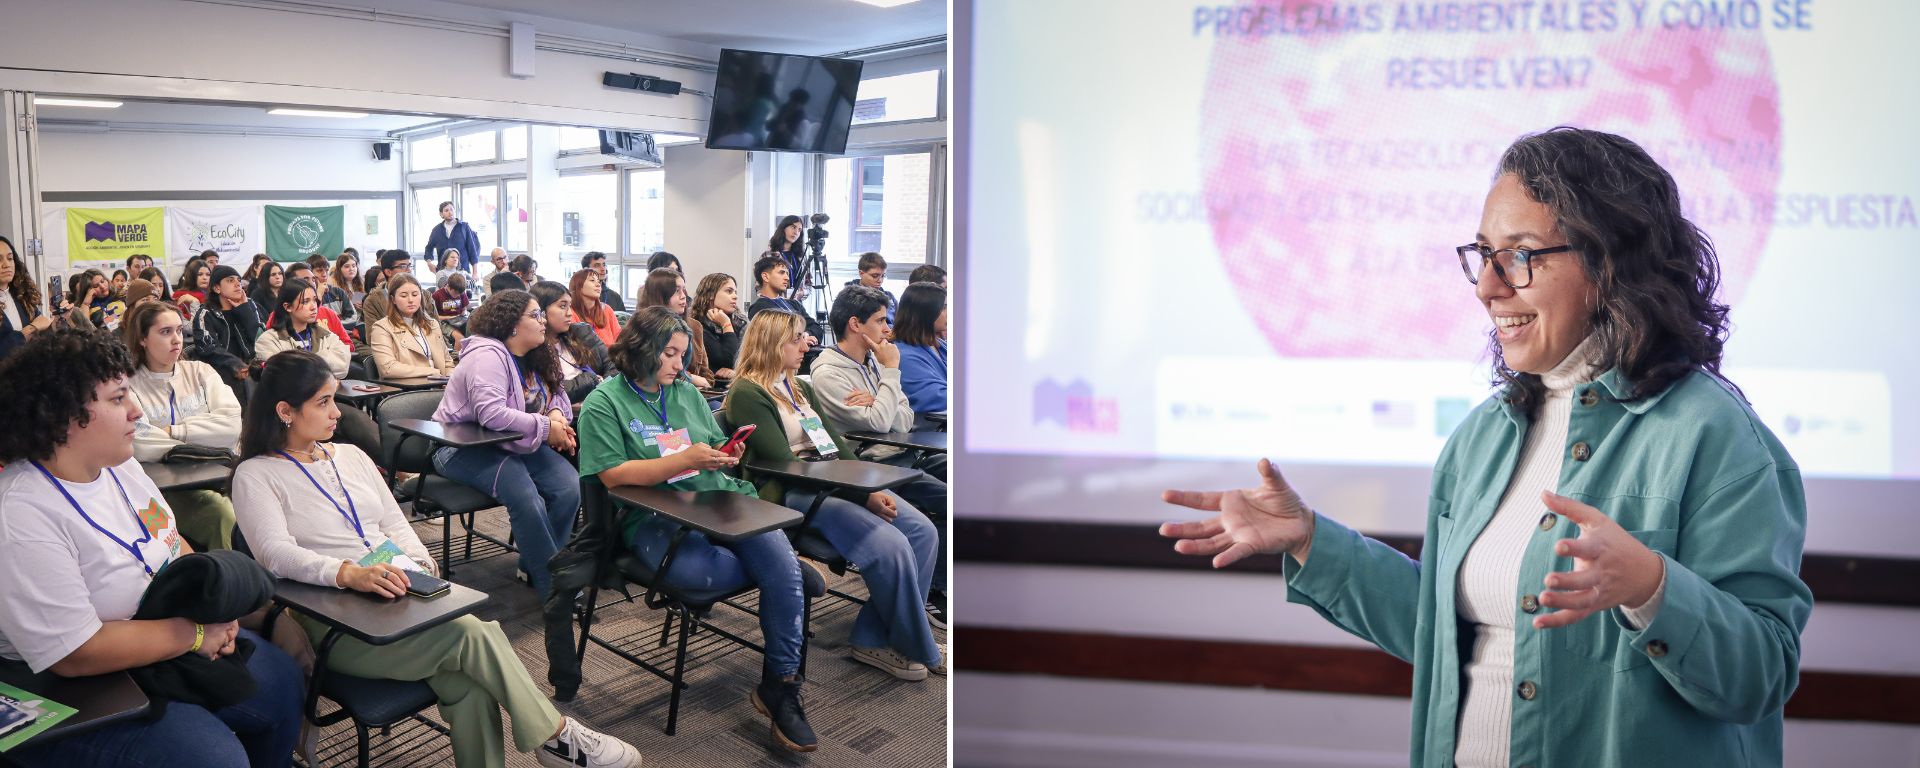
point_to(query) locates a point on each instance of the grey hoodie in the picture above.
(835, 376)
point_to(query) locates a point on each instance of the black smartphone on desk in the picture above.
(422, 585)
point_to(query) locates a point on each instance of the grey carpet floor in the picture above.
(864, 717)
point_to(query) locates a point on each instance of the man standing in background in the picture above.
(453, 233)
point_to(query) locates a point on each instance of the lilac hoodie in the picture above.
(485, 389)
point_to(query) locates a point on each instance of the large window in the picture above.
(912, 96)
(513, 143)
(880, 203)
(429, 153)
(426, 216)
(480, 209)
(589, 220)
(646, 212)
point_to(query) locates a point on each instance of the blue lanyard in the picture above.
(660, 410)
(354, 519)
(791, 400)
(306, 341)
(865, 375)
(131, 548)
(537, 381)
(172, 412)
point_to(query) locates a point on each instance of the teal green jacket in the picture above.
(1690, 472)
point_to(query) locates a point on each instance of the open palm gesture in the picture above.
(1269, 518)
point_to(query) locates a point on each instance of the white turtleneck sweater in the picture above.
(1488, 588)
(202, 410)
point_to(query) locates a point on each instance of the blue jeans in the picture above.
(766, 560)
(540, 489)
(929, 495)
(896, 562)
(258, 732)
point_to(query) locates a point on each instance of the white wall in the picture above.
(73, 162)
(707, 212)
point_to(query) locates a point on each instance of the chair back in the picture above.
(413, 454)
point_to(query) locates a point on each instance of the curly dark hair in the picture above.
(496, 319)
(25, 294)
(46, 384)
(1656, 273)
(636, 353)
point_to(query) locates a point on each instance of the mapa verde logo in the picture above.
(306, 232)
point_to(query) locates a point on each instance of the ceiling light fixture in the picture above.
(289, 112)
(884, 3)
(50, 101)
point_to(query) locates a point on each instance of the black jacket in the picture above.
(723, 349)
(224, 338)
(206, 588)
(611, 298)
(582, 384)
(10, 337)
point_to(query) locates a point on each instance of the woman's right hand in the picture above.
(218, 639)
(383, 579)
(1267, 519)
(39, 324)
(703, 457)
(721, 319)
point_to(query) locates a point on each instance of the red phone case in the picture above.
(739, 436)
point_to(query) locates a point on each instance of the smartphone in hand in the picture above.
(739, 436)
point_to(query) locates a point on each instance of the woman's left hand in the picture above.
(1611, 568)
(882, 505)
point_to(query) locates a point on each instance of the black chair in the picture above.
(721, 516)
(433, 495)
(370, 703)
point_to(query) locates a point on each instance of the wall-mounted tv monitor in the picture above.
(782, 103)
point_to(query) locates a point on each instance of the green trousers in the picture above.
(472, 668)
(205, 518)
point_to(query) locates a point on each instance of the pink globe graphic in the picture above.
(1337, 191)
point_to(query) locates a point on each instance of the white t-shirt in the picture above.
(13, 313)
(63, 578)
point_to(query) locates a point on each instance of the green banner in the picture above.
(296, 233)
(113, 234)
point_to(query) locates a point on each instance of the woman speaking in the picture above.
(1609, 575)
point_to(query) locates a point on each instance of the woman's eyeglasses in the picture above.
(1513, 265)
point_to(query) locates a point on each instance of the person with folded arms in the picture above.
(184, 402)
(83, 532)
(318, 512)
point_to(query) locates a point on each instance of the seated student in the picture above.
(252, 275)
(504, 281)
(450, 300)
(666, 288)
(928, 273)
(141, 291)
(597, 261)
(583, 357)
(20, 315)
(393, 263)
(523, 267)
(508, 379)
(295, 325)
(184, 401)
(664, 260)
(622, 426)
(770, 277)
(498, 259)
(82, 531)
(265, 288)
(117, 286)
(195, 283)
(893, 542)
(589, 309)
(300, 270)
(449, 265)
(319, 513)
(717, 306)
(873, 274)
(922, 336)
(859, 385)
(344, 291)
(406, 342)
(87, 293)
(226, 328)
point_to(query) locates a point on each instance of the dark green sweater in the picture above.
(750, 403)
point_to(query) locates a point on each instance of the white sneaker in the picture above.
(580, 747)
(940, 668)
(892, 662)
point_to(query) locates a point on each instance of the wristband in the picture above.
(199, 636)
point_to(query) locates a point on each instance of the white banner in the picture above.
(236, 233)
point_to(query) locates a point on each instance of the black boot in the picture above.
(779, 699)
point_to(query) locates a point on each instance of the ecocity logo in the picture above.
(306, 232)
(109, 232)
(218, 237)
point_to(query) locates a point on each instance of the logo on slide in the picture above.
(100, 231)
(1075, 407)
(1343, 166)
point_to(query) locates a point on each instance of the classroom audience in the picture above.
(717, 306)
(407, 342)
(20, 312)
(597, 261)
(893, 543)
(644, 426)
(589, 308)
(318, 512)
(185, 403)
(583, 356)
(922, 336)
(666, 288)
(84, 532)
(860, 391)
(508, 379)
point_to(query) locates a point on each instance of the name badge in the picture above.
(672, 443)
(817, 432)
(389, 552)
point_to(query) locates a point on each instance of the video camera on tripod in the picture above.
(816, 267)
